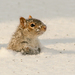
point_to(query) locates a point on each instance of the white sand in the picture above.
(58, 50)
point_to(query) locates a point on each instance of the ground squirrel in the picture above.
(25, 39)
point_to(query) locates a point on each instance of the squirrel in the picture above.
(25, 39)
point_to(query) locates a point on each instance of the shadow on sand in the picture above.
(3, 45)
(55, 41)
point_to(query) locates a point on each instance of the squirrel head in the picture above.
(32, 26)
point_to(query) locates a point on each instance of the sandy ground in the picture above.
(58, 42)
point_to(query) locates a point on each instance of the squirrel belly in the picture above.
(25, 39)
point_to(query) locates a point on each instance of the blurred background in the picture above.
(11, 10)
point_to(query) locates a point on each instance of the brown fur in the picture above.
(25, 39)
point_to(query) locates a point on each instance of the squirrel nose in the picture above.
(44, 27)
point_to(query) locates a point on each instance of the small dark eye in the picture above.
(32, 25)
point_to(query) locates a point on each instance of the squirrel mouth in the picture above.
(40, 32)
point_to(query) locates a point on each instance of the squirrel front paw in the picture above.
(30, 51)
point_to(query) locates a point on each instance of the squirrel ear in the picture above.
(30, 17)
(23, 22)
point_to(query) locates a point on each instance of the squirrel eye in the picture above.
(32, 25)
